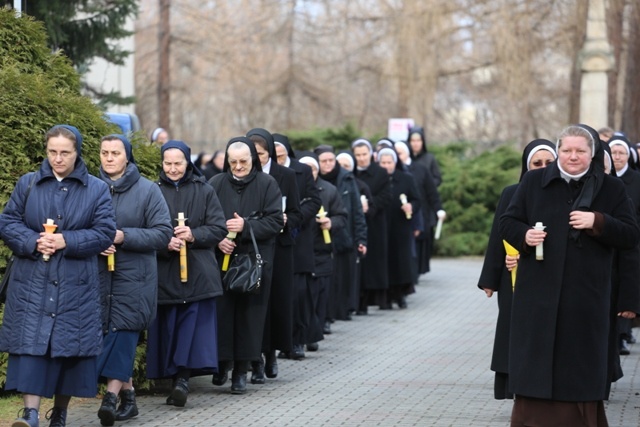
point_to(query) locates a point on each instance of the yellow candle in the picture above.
(49, 228)
(325, 233)
(183, 250)
(511, 251)
(111, 262)
(225, 262)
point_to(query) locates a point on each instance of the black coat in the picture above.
(130, 292)
(258, 198)
(495, 276)
(309, 205)
(561, 306)
(400, 228)
(375, 264)
(354, 233)
(430, 205)
(201, 206)
(631, 179)
(278, 329)
(332, 204)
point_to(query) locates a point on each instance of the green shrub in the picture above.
(38, 89)
(470, 191)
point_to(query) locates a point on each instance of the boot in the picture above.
(57, 417)
(257, 371)
(128, 408)
(222, 376)
(107, 411)
(178, 396)
(29, 418)
(297, 353)
(271, 364)
(238, 382)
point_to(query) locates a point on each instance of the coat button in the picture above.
(59, 216)
(53, 315)
(55, 283)
(569, 201)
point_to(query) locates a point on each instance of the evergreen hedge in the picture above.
(38, 89)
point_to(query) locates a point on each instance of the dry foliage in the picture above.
(482, 70)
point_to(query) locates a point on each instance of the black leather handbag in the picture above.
(245, 270)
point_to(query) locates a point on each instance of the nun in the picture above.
(374, 278)
(405, 204)
(183, 337)
(496, 277)
(248, 197)
(560, 317)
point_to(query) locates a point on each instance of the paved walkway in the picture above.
(424, 366)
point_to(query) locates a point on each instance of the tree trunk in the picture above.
(631, 104)
(164, 78)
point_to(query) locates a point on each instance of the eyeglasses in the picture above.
(64, 154)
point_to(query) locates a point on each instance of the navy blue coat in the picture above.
(130, 293)
(55, 306)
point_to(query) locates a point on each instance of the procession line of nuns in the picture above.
(563, 309)
(138, 231)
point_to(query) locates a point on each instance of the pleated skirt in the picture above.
(183, 336)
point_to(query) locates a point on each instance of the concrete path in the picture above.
(424, 366)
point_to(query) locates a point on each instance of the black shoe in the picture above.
(313, 346)
(402, 302)
(257, 371)
(107, 411)
(284, 355)
(29, 418)
(326, 330)
(385, 306)
(624, 349)
(238, 382)
(362, 312)
(222, 376)
(630, 339)
(348, 316)
(57, 417)
(297, 352)
(271, 365)
(128, 408)
(178, 396)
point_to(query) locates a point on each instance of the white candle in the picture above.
(441, 216)
(539, 249)
(403, 200)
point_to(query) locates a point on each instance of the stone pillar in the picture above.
(595, 60)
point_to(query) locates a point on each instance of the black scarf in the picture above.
(332, 176)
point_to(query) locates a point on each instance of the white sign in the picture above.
(399, 129)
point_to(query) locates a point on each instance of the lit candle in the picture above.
(111, 262)
(539, 250)
(49, 228)
(225, 261)
(325, 233)
(403, 200)
(183, 250)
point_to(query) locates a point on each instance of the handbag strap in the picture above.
(26, 198)
(253, 238)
